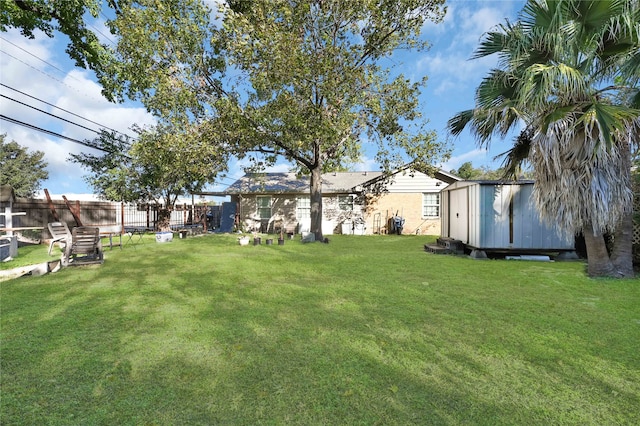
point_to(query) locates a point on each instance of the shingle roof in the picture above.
(275, 183)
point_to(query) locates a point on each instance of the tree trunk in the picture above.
(622, 253)
(598, 262)
(164, 219)
(316, 203)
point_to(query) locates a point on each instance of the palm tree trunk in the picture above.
(622, 253)
(598, 262)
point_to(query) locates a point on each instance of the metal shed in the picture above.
(497, 216)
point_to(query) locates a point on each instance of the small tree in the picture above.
(164, 163)
(467, 171)
(21, 169)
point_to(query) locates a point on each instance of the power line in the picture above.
(62, 109)
(50, 132)
(102, 34)
(47, 74)
(37, 57)
(48, 113)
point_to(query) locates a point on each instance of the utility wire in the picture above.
(48, 113)
(96, 29)
(37, 57)
(49, 75)
(62, 109)
(49, 132)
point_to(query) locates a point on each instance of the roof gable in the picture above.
(332, 183)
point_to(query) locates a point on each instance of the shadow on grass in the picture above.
(207, 332)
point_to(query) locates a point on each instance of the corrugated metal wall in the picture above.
(499, 216)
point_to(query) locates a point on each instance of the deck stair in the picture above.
(445, 245)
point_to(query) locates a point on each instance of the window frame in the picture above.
(342, 205)
(260, 209)
(299, 208)
(428, 206)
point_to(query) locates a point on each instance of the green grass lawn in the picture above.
(360, 331)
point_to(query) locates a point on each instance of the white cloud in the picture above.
(85, 100)
(366, 164)
(33, 73)
(449, 62)
(474, 23)
(476, 156)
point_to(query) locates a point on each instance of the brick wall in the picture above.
(407, 205)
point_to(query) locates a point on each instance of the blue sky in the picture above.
(41, 70)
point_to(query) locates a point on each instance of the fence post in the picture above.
(51, 206)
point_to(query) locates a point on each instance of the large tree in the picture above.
(21, 169)
(65, 16)
(163, 163)
(563, 67)
(272, 79)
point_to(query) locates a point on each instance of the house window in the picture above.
(345, 202)
(264, 207)
(303, 208)
(431, 204)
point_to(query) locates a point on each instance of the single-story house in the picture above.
(353, 202)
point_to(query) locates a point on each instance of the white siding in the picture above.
(419, 182)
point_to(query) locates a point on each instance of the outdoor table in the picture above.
(135, 231)
(110, 234)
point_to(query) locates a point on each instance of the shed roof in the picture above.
(466, 183)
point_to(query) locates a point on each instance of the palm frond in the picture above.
(555, 114)
(635, 100)
(607, 120)
(565, 69)
(458, 122)
(492, 42)
(544, 82)
(578, 184)
(514, 158)
(496, 89)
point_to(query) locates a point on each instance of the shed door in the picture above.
(459, 214)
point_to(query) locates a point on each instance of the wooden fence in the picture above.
(108, 216)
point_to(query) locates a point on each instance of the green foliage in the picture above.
(568, 70)
(68, 17)
(317, 89)
(468, 172)
(274, 79)
(363, 330)
(21, 169)
(162, 164)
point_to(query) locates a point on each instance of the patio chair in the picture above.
(84, 248)
(60, 234)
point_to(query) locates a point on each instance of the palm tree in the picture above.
(563, 69)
